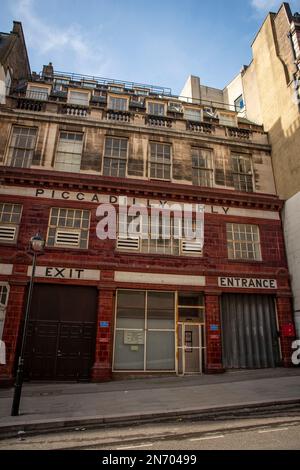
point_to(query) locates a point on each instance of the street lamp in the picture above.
(36, 247)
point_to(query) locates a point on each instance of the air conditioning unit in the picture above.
(67, 238)
(126, 243)
(192, 247)
(8, 233)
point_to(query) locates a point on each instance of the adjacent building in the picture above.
(136, 306)
(267, 92)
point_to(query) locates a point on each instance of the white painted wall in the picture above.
(291, 219)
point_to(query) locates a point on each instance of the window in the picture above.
(193, 114)
(10, 217)
(239, 104)
(145, 331)
(160, 161)
(161, 245)
(37, 93)
(163, 236)
(229, 120)
(243, 242)
(79, 97)
(202, 172)
(69, 152)
(21, 148)
(156, 109)
(191, 307)
(68, 228)
(4, 291)
(115, 157)
(242, 172)
(117, 104)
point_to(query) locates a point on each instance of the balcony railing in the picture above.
(158, 121)
(28, 104)
(203, 127)
(123, 116)
(74, 110)
(37, 95)
(238, 133)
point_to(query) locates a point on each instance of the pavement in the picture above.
(56, 406)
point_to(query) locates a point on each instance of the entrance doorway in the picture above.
(60, 342)
(191, 352)
(190, 333)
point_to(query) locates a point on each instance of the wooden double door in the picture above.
(60, 342)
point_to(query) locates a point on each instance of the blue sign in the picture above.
(214, 327)
(104, 324)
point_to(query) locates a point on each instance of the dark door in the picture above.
(249, 331)
(61, 333)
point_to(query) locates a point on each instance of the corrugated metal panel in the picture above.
(249, 331)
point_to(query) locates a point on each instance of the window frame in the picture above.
(150, 162)
(145, 330)
(238, 174)
(10, 148)
(159, 103)
(13, 224)
(70, 229)
(61, 131)
(246, 243)
(120, 98)
(190, 108)
(32, 88)
(115, 158)
(79, 90)
(208, 170)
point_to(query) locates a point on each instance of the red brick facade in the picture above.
(102, 255)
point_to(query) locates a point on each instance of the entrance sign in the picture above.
(247, 283)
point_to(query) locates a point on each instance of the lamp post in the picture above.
(36, 245)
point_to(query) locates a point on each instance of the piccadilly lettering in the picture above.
(247, 283)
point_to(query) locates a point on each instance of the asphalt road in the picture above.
(281, 438)
(263, 433)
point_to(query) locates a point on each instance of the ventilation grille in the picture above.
(68, 238)
(8, 234)
(124, 243)
(191, 247)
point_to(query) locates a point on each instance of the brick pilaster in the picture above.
(213, 335)
(102, 368)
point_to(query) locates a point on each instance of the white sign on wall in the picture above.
(247, 283)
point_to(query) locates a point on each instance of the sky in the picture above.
(158, 42)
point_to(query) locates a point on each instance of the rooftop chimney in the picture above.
(48, 71)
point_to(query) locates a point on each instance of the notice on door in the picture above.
(133, 337)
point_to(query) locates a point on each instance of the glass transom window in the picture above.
(21, 147)
(243, 242)
(68, 227)
(69, 152)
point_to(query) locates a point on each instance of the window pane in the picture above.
(128, 356)
(160, 350)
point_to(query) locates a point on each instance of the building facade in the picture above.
(103, 308)
(267, 92)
